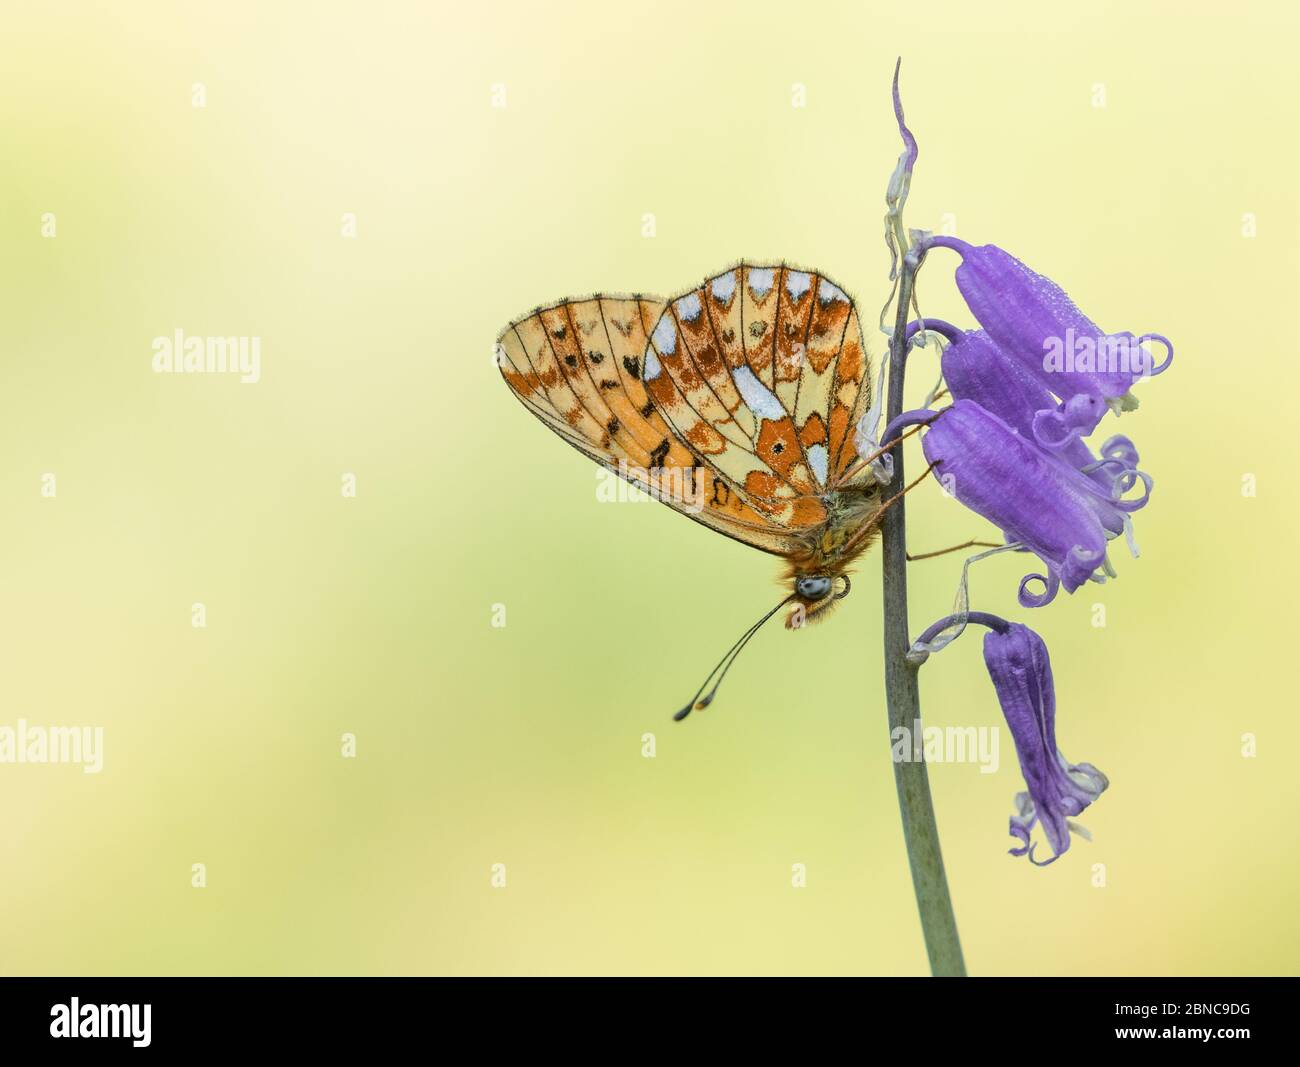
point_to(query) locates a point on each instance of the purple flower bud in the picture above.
(1058, 513)
(1058, 790)
(1032, 320)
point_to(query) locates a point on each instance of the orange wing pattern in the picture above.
(755, 379)
(578, 367)
(763, 370)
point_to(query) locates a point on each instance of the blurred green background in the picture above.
(522, 745)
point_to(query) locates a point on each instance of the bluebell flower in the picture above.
(1057, 790)
(1058, 513)
(1028, 389)
(1033, 321)
(974, 368)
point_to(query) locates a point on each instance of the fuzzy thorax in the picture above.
(851, 525)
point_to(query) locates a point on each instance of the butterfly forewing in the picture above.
(835, 342)
(791, 344)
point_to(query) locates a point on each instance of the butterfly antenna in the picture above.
(724, 665)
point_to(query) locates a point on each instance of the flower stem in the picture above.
(903, 694)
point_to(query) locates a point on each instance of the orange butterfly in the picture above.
(748, 388)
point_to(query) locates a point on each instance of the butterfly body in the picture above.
(748, 386)
(849, 530)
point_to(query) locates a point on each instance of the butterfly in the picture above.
(735, 402)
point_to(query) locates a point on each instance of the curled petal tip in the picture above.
(1029, 599)
(1169, 352)
(1042, 863)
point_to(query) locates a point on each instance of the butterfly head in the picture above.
(813, 587)
(815, 594)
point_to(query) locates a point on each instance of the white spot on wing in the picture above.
(830, 291)
(760, 281)
(797, 283)
(688, 307)
(665, 336)
(724, 287)
(761, 402)
(817, 460)
(652, 370)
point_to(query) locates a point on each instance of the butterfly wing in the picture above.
(579, 367)
(762, 370)
(756, 378)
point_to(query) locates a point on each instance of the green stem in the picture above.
(903, 694)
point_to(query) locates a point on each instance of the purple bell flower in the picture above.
(1032, 320)
(1058, 790)
(1058, 513)
(1021, 670)
(974, 368)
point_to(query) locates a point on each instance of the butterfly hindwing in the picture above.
(579, 367)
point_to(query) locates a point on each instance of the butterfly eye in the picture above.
(813, 588)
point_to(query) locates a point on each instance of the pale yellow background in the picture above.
(522, 745)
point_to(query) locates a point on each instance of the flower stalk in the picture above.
(902, 692)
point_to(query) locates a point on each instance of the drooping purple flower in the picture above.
(975, 368)
(1021, 671)
(1058, 513)
(1032, 320)
(1058, 790)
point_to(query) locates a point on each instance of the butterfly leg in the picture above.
(955, 548)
